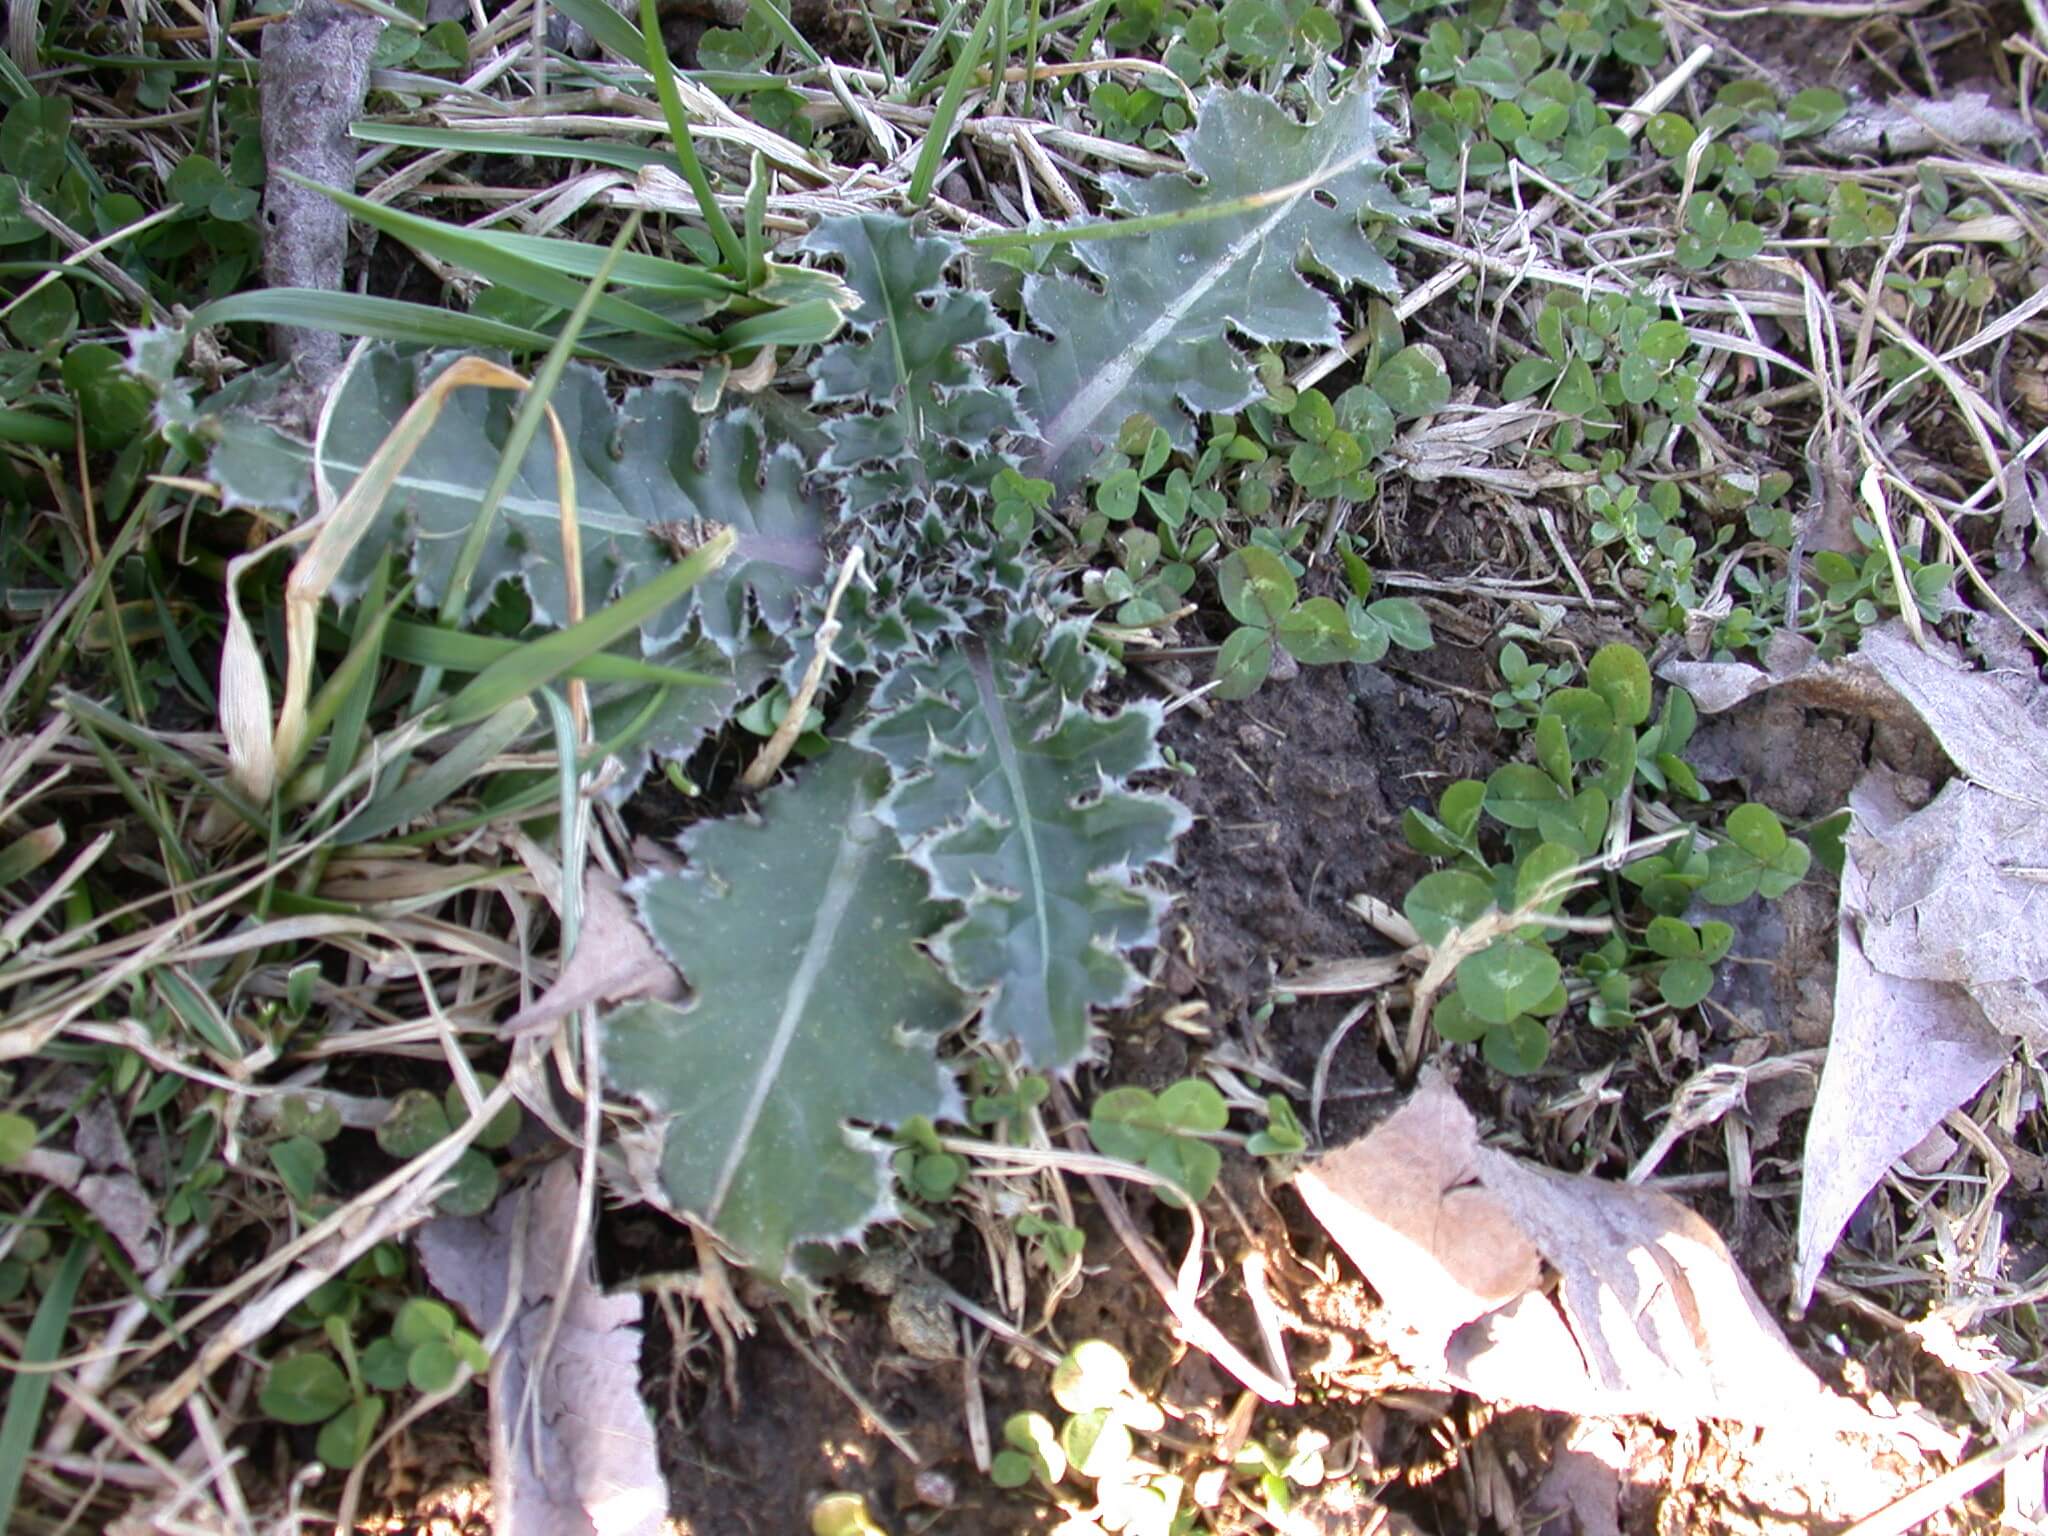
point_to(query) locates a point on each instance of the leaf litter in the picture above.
(1553, 1290)
(1943, 927)
(573, 1450)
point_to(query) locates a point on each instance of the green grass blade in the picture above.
(756, 231)
(30, 852)
(525, 423)
(541, 661)
(939, 137)
(29, 430)
(1032, 35)
(445, 777)
(179, 650)
(794, 325)
(197, 1012)
(655, 57)
(1000, 42)
(537, 797)
(636, 270)
(455, 650)
(927, 56)
(527, 264)
(98, 720)
(343, 701)
(30, 1388)
(356, 314)
(785, 29)
(620, 157)
(608, 27)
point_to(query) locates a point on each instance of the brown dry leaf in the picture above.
(1552, 1291)
(100, 1174)
(1993, 727)
(1915, 125)
(614, 960)
(1944, 934)
(580, 1460)
(1944, 911)
(1792, 664)
(116, 1200)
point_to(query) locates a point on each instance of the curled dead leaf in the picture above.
(614, 960)
(572, 1447)
(1554, 1291)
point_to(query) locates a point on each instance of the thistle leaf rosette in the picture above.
(917, 412)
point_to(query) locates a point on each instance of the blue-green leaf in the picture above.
(1153, 334)
(813, 1007)
(1009, 791)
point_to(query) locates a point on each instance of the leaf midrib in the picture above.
(1078, 414)
(1004, 746)
(841, 885)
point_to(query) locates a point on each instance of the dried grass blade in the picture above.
(259, 754)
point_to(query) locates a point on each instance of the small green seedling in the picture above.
(1095, 1443)
(1711, 234)
(1164, 1132)
(419, 1120)
(1058, 1244)
(926, 1169)
(1284, 1470)
(1523, 684)
(1590, 746)
(1282, 1136)
(1261, 593)
(994, 1104)
(345, 1391)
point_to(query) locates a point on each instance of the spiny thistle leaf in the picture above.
(1151, 336)
(930, 416)
(1009, 791)
(650, 462)
(673, 727)
(932, 573)
(813, 1007)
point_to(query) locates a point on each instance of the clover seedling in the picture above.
(1058, 1244)
(425, 1349)
(995, 1105)
(1711, 234)
(1282, 1136)
(1163, 1131)
(418, 1121)
(1524, 684)
(1032, 1449)
(1590, 746)
(1261, 593)
(927, 1169)
(1095, 1442)
(1281, 1472)
(1757, 856)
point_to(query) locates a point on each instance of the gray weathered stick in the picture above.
(315, 68)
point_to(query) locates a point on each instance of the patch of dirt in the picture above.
(1297, 798)
(1957, 48)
